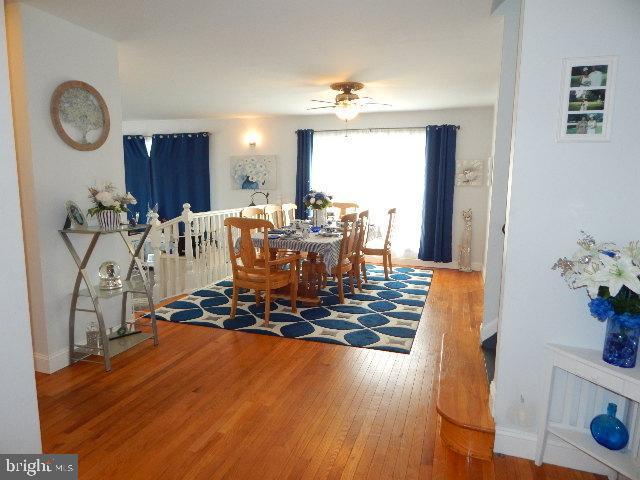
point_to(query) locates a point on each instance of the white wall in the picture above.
(556, 190)
(277, 137)
(497, 192)
(45, 51)
(19, 423)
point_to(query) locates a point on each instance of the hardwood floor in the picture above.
(213, 404)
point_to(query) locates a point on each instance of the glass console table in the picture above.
(109, 344)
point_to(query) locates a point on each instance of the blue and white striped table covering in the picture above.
(329, 247)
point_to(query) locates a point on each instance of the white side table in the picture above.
(588, 364)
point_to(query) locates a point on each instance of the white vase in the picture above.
(319, 217)
(108, 219)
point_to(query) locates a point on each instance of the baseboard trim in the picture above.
(51, 363)
(488, 328)
(523, 444)
(410, 262)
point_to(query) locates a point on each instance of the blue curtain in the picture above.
(303, 174)
(180, 172)
(137, 175)
(437, 210)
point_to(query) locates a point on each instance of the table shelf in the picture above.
(97, 230)
(117, 345)
(111, 344)
(620, 460)
(128, 286)
(587, 364)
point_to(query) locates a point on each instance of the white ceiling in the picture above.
(200, 58)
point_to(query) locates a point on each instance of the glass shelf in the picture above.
(127, 286)
(96, 229)
(116, 344)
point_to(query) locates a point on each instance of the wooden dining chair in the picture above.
(252, 212)
(274, 214)
(360, 265)
(289, 212)
(261, 274)
(344, 208)
(384, 250)
(347, 257)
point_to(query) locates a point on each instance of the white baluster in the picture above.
(188, 274)
(155, 238)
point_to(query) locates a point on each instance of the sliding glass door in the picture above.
(378, 169)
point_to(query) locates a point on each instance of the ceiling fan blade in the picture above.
(323, 101)
(316, 108)
(376, 103)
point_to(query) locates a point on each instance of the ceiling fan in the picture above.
(348, 104)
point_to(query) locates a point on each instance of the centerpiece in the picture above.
(611, 277)
(318, 202)
(108, 204)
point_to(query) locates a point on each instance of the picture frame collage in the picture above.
(587, 99)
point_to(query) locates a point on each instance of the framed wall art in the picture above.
(469, 173)
(254, 172)
(80, 115)
(587, 99)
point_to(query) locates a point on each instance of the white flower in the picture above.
(588, 277)
(633, 251)
(318, 202)
(130, 199)
(619, 272)
(105, 199)
(585, 258)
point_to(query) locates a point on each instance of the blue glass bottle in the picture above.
(608, 431)
(621, 340)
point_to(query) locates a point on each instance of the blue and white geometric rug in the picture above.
(384, 316)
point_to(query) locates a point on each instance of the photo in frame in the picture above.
(75, 217)
(586, 101)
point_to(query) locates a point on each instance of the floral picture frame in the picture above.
(469, 173)
(254, 172)
(586, 99)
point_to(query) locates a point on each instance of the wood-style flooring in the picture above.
(213, 404)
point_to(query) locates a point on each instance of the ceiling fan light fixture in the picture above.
(347, 111)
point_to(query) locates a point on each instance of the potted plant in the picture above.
(318, 202)
(611, 277)
(108, 204)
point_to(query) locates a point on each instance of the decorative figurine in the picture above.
(93, 335)
(464, 258)
(109, 273)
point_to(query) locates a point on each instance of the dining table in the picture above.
(321, 248)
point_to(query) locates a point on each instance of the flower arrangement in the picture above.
(106, 197)
(611, 276)
(317, 200)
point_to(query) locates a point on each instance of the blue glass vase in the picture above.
(608, 431)
(621, 341)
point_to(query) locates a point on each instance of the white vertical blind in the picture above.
(378, 169)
